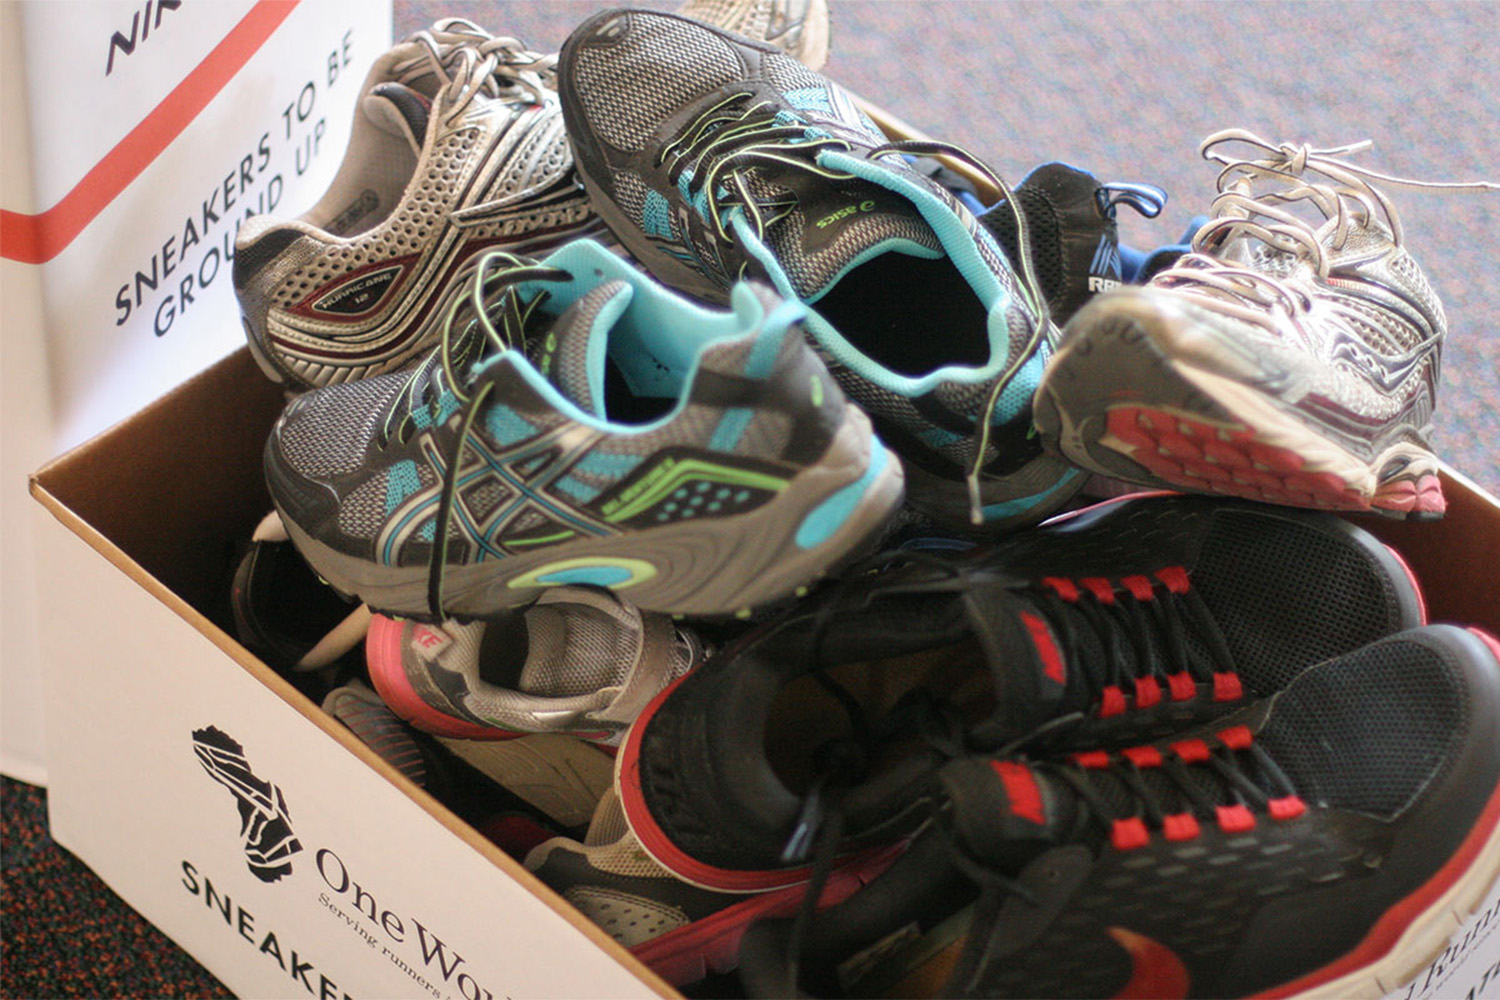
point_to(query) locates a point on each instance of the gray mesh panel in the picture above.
(589, 650)
(1376, 759)
(674, 62)
(362, 511)
(328, 436)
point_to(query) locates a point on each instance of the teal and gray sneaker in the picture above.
(580, 424)
(713, 158)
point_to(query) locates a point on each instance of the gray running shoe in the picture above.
(700, 462)
(683, 932)
(1292, 357)
(798, 27)
(713, 157)
(579, 661)
(457, 147)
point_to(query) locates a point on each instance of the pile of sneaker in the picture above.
(729, 512)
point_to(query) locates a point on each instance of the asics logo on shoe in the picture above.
(844, 213)
(264, 824)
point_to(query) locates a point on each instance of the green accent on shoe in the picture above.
(672, 473)
(600, 571)
(541, 539)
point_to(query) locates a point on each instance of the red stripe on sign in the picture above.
(36, 239)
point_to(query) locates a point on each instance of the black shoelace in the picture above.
(491, 318)
(1154, 635)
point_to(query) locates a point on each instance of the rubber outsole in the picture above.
(1119, 400)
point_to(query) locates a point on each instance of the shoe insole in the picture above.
(909, 314)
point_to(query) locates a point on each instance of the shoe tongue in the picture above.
(571, 354)
(400, 111)
(1039, 656)
(836, 223)
(1006, 812)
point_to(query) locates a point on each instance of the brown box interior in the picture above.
(144, 485)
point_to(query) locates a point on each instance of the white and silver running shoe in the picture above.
(800, 28)
(457, 147)
(579, 661)
(1291, 357)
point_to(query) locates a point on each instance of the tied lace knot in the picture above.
(470, 61)
(1258, 192)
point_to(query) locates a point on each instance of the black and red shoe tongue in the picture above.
(1035, 678)
(1005, 812)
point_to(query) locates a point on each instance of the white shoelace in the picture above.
(1348, 202)
(472, 61)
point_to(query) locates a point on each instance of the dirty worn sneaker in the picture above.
(457, 147)
(1292, 357)
(1364, 798)
(800, 28)
(1122, 623)
(580, 424)
(681, 931)
(579, 661)
(713, 157)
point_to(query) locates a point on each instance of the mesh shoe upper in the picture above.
(712, 157)
(578, 661)
(480, 477)
(1204, 861)
(1292, 356)
(457, 146)
(1339, 305)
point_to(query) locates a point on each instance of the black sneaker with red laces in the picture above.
(1120, 624)
(1320, 842)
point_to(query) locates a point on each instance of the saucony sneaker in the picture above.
(798, 27)
(682, 932)
(1122, 623)
(513, 818)
(1320, 842)
(713, 157)
(699, 462)
(457, 147)
(561, 776)
(1286, 360)
(579, 661)
(1075, 238)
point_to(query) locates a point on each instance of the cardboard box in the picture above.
(386, 892)
(137, 137)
